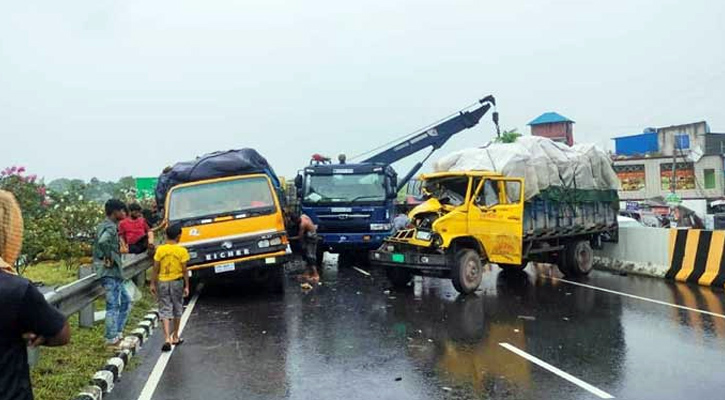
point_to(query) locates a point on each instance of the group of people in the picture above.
(28, 320)
(119, 234)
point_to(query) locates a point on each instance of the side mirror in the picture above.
(299, 183)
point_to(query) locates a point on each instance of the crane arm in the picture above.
(434, 137)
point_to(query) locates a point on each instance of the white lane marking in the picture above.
(158, 371)
(362, 271)
(598, 392)
(664, 303)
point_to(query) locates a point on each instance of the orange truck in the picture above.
(233, 225)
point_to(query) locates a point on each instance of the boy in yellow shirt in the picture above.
(170, 284)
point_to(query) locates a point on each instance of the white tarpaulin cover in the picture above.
(541, 162)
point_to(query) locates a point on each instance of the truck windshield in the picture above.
(340, 188)
(448, 190)
(221, 198)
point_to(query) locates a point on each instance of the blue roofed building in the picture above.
(554, 126)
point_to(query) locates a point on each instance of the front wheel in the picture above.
(275, 280)
(345, 259)
(398, 276)
(467, 271)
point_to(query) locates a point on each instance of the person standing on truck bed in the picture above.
(308, 242)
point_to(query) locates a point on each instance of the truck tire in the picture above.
(399, 277)
(345, 259)
(467, 271)
(579, 259)
(275, 280)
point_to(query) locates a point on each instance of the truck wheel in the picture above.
(579, 259)
(398, 276)
(345, 259)
(275, 280)
(467, 271)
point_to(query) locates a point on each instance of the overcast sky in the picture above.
(112, 88)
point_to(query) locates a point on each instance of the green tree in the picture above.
(508, 136)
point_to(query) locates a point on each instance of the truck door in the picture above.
(496, 218)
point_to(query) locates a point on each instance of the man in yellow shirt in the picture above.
(170, 284)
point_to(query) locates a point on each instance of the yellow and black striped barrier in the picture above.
(696, 256)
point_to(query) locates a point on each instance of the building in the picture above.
(553, 126)
(644, 164)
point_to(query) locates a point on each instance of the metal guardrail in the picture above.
(77, 295)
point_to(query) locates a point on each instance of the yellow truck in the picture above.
(471, 218)
(233, 226)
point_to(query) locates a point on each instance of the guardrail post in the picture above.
(85, 316)
(140, 279)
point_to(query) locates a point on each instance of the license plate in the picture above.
(223, 268)
(270, 260)
(398, 258)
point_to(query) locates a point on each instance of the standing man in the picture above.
(308, 242)
(26, 319)
(107, 261)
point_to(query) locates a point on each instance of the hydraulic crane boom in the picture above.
(434, 137)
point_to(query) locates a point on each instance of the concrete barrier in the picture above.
(696, 256)
(685, 255)
(641, 250)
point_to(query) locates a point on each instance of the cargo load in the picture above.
(218, 164)
(545, 165)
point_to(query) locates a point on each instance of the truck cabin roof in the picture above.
(366, 168)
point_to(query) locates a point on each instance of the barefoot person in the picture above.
(170, 284)
(308, 241)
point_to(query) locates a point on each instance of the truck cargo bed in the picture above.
(547, 218)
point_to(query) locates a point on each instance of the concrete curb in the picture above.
(104, 379)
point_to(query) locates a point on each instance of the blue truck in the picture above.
(353, 204)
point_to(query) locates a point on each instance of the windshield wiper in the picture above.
(369, 196)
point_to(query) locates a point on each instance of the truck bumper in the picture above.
(352, 241)
(409, 258)
(226, 269)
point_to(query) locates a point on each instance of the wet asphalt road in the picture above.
(349, 339)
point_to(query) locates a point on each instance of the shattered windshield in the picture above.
(448, 190)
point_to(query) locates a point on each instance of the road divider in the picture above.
(696, 256)
(684, 255)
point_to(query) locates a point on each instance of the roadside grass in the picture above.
(62, 371)
(51, 273)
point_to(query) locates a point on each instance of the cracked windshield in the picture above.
(395, 200)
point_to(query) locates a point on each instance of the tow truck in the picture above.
(353, 204)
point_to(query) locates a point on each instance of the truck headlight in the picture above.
(380, 227)
(275, 242)
(263, 244)
(193, 254)
(423, 235)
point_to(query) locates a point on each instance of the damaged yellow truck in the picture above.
(471, 218)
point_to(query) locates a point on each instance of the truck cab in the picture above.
(471, 218)
(351, 204)
(231, 225)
